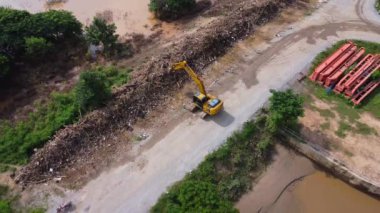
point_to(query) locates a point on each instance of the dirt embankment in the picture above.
(334, 166)
(149, 87)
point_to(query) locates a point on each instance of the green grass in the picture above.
(345, 107)
(343, 129)
(18, 140)
(378, 6)
(364, 129)
(326, 113)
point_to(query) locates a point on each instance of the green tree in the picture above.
(171, 9)
(37, 46)
(285, 108)
(92, 90)
(54, 25)
(22, 33)
(100, 31)
(12, 30)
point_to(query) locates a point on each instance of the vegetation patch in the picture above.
(30, 37)
(326, 113)
(171, 9)
(344, 107)
(378, 5)
(18, 141)
(226, 174)
(364, 129)
(343, 129)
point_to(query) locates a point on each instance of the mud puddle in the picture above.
(130, 16)
(293, 184)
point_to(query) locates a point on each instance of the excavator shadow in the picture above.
(223, 118)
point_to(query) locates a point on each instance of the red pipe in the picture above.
(338, 74)
(362, 79)
(359, 97)
(330, 60)
(363, 64)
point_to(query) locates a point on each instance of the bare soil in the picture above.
(357, 150)
(75, 149)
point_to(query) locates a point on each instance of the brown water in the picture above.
(316, 192)
(128, 15)
(320, 192)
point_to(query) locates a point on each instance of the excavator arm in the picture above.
(184, 66)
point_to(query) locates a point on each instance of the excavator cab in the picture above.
(209, 104)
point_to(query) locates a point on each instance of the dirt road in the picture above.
(135, 186)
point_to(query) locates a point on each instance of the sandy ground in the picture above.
(247, 77)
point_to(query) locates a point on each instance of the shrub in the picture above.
(170, 9)
(285, 108)
(37, 46)
(92, 90)
(194, 196)
(100, 31)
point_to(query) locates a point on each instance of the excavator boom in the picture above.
(184, 66)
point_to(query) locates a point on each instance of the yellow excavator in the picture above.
(209, 104)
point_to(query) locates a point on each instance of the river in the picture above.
(293, 184)
(130, 16)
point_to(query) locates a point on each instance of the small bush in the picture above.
(37, 47)
(171, 9)
(378, 6)
(285, 108)
(92, 90)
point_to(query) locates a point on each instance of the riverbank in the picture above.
(293, 183)
(333, 165)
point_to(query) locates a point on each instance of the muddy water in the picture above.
(293, 184)
(128, 15)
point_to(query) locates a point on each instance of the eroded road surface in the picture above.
(136, 186)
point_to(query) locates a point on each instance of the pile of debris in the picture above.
(149, 86)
